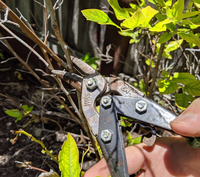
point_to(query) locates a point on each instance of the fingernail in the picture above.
(186, 119)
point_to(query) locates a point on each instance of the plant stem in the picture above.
(154, 77)
(55, 27)
(30, 34)
(37, 141)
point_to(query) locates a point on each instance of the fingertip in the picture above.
(188, 123)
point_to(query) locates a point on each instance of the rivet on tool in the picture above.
(106, 135)
(91, 84)
(141, 106)
(106, 101)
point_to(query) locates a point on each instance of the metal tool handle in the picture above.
(111, 141)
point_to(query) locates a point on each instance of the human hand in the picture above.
(170, 156)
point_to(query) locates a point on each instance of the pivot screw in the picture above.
(91, 84)
(141, 106)
(106, 101)
(106, 135)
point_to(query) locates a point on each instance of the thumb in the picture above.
(188, 123)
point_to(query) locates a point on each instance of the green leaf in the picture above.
(189, 37)
(131, 34)
(165, 37)
(182, 100)
(178, 8)
(171, 26)
(69, 158)
(193, 88)
(165, 74)
(153, 1)
(27, 109)
(132, 141)
(166, 86)
(134, 21)
(90, 61)
(169, 13)
(161, 2)
(149, 13)
(98, 16)
(160, 17)
(126, 124)
(183, 78)
(197, 4)
(187, 15)
(142, 85)
(173, 45)
(120, 13)
(140, 17)
(158, 27)
(148, 61)
(14, 113)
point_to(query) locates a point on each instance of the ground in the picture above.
(51, 119)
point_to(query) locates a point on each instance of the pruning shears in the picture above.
(117, 98)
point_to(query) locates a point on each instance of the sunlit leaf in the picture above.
(187, 15)
(98, 16)
(189, 37)
(193, 88)
(131, 34)
(135, 20)
(140, 17)
(27, 109)
(148, 61)
(142, 85)
(173, 45)
(149, 12)
(178, 8)
(13, 113)
(120, 13)
(183, 100)
(69, 158)
(166, 86)
(183, 78)
(132, 141)
(158, 27)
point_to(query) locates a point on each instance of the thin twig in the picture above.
(55, 27)
(30, 34)
(26, 21)
(37, 77)
(156, 70)
(25, 44)
(37, 141)
(11, 58)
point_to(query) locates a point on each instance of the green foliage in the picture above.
(182, 100)
(132, 141)
(148, 62)
(98, 16)
(187, 82)
(19, 114)
(90, 60)
(120, 13)
(125, 122)
(172, 20)
(69, 158)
